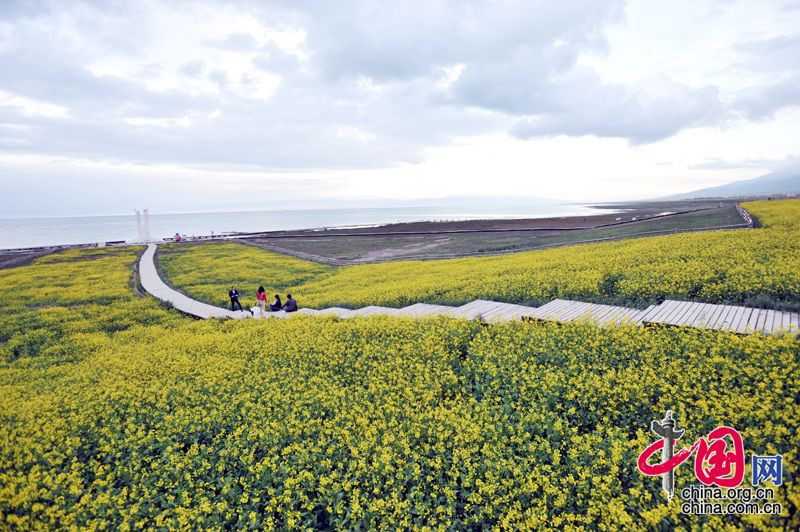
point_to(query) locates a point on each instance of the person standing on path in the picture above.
(261, 300)
(234, 295)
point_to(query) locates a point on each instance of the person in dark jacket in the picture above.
(276, 305)
(291, 304)
(234, 295)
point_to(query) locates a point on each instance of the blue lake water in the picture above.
(25, 232)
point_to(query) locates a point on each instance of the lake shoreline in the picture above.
(614, 215)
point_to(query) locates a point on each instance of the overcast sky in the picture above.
(179, 106)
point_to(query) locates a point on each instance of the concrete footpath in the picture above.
(152, 283)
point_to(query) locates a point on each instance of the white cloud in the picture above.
(372, 96)
(32, 108)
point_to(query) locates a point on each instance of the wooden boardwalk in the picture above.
(743, 320)
(722, 317)
(564, 311)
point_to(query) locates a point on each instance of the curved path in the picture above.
(152, 283)
(675, 313)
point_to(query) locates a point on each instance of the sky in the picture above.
(190, 106)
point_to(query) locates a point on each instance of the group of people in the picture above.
(261, 302)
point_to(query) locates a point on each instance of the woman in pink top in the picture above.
(261, 299)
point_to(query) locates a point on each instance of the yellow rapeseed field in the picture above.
(118, 413)
(757, 267)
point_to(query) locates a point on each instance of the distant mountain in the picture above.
(785, 181)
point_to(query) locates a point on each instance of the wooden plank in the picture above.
(549, 310)
(597, 312)
(704, 315)
(526, 312)
(737, 318)
(794, 322)
(616, 316)
(712, 316)
(479, 305)
(642, 317)
(554, 306)
(691, 316)
(722, 318)
(557, 314)
(676, 310)
(631, 316)
(777, 326)
(785, 317)
(508, 308)
(752, 323)
(701, 316)
(668, 310)
(499, 313)
(487, 308)
(573, 312)
(679, 315)
(468, 310)
(423, 309)
(769, 322)
(549, 304)
(638, 313)
(742, 326)
(585, 312)
(472, 305)
(624, 314)
(628, 316)
(643, 314)
(512, 315)
(582, 312)
(363, 311)
(416, 309)
(515, 314)
(762, 317)
(651, 315)
(770, 326)
(663, 308)
(729, 318)
(607, 314)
